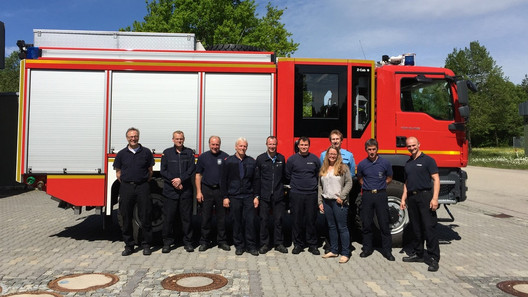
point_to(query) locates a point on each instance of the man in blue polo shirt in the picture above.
(133, 166)
(420, 196)
(208, 176)
(374, 174)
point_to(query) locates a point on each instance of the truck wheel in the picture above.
(398, 218)
(156, 219)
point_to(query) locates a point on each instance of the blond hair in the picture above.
(339, 167)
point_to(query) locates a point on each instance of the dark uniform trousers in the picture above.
(423, 221)
(244, 231)
(178, 208)
(130, 195)
(213, 200)
(277, 208)
(375, 203)
(304, 210)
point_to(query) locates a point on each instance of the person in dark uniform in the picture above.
(302, 169)
(420, 197)
(177, 169)
(374, 174)
(239, 195)
(208, 175)
(133, 166)
(269, 186)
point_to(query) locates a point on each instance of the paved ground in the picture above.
(40, 243)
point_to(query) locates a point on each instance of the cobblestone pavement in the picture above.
(40, 242)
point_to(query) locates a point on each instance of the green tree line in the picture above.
(494, 117)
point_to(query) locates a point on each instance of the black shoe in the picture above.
(365, 254)
(433, 266)
(189, 248)
(254, 252)
(166, 249)
(314, 250)
(239, 252)
(281, 248)
(128, 251)
(264, 249)
(413, 258)
(224, 246)
(203, 247)
(297, 250)
(146, 251)
(389, 256)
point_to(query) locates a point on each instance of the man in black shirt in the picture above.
(420, 196)
(177, 169)
(269, 186)
(239, 195)
(208, 175)
(133, 166)
(302, 169)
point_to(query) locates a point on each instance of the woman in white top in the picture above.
(335, 182)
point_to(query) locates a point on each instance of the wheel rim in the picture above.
(398, 218)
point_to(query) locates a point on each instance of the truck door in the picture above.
(426, 110)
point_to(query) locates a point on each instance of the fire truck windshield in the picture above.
(432, 97)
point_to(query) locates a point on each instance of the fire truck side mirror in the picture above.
(462, 90)
(464, 111)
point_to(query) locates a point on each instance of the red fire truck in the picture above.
(81, 90)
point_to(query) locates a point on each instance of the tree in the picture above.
(494, 117)
(219, 22)
(10, 75)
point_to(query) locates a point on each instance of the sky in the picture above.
(343, 29)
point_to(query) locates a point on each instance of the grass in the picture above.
(498, 157)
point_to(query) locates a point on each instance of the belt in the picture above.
(213, 186)
(374, 191)
(134, 183)
(419, 191)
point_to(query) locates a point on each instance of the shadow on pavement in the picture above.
(90, 228)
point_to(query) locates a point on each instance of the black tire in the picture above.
(156, 218)
(234, 48)
(398, 219)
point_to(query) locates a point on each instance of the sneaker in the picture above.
(281, 248)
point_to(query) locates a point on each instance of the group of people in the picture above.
(244, 186)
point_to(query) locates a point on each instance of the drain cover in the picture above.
(35, 293)
(83, 282)
(516, 288)
(194, 282)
